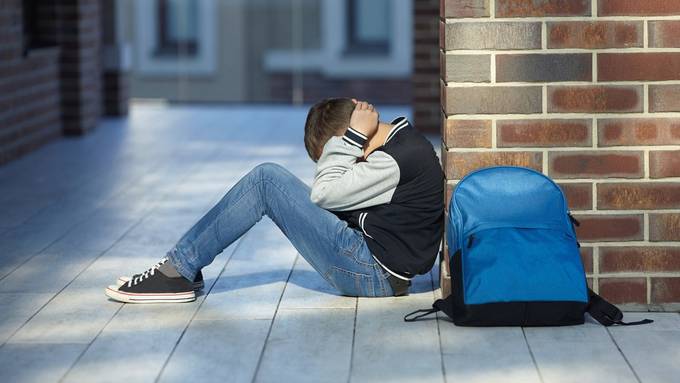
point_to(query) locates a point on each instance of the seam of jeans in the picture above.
(382, 278)
(215, 225)
(358, 278)
(292, 200)
(353, 250)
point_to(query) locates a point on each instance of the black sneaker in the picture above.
(152, 286)
(198, 280)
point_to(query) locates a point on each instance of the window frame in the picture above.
(332, 61)
(353, 45)
(165, 46)
(147, 63)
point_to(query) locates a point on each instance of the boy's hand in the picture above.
(364, 118)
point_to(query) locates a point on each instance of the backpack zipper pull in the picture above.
(470, 239)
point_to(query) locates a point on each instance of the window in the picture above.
(359, 38)
(177, 28)
(368, 27)
(175, 36)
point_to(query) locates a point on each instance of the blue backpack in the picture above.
(514, 256)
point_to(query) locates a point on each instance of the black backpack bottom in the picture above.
(535, 313)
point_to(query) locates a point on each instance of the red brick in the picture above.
(595, 164)
(638, 195)
(638, 7)
(594, 99)
(467, 133)
(665, 290)
(655, 66)
(664, 227)
(587, 259)
(638, 131)
(551, 67)
(664, 163)
(596, 228)
(465, 68)
(664, 98)
(579, 195)
(458, 164)
(624, 290)
(595, 34)
(543, 133)
(664, 33)
(490, 35)
(491, 100)
(464, 8)
(524, 8)
(639, 259)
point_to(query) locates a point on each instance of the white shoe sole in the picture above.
(123, 280)
(122, 296)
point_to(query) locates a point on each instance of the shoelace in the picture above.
(148, 273)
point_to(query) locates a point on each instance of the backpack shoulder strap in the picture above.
(606, 313)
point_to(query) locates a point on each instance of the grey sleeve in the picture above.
(342, 183)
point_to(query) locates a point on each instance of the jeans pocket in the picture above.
(358, 250)
(350, 283)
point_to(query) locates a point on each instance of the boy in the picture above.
(372, 220)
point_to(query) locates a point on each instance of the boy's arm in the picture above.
(341, 183)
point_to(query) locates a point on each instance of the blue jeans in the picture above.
(338, 252)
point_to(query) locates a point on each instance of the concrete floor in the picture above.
(78, 213)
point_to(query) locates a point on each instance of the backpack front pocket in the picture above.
(511, 264)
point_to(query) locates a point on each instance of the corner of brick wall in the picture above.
(588, 92)
(81, 69)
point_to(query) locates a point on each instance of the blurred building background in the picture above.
(64, 64)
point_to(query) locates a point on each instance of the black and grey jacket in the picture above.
(394, 196)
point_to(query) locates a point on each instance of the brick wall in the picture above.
(79, 36)
(29, 89)
(425, 82)
(51, 75)
(588, 92)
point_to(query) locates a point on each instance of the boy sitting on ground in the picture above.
(372, 220)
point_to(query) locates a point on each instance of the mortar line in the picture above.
(533, 357)
(205, 296)
(538, 51)
(273, 320)
(532, 19)
(630, 366)
(354, 335)
(87, 266)
(437, 321)
(213, 153)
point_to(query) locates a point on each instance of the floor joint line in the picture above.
(271, 324)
